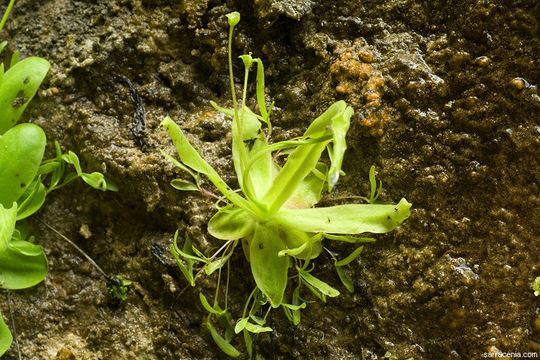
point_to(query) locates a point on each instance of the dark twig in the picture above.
(139, 119)
(13, 328)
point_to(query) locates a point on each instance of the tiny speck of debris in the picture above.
(85, 231)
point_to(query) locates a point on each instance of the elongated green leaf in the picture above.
(256, 329)
(268, 268)
(7, 225)
(223, 344)
(219, 263)
(186, 271)
(216, 311)
(345, 279)
(296, 315)
(14, 58)
(260, 94)
(231, 223)
(5, 336)
(318, 284)
(95, 179)
(22, 265)
(240, 325)
(178, 164)
(340, 126)
(303, 159)
(190, 157)
(374, 194)
(300, 163)
(249, 343)
(295, 307)
(22, 149)
(346, 219)
(260, 174)
(349, 239)
(184, 185)
(251, 123)
(48, 167)
(351, 257)
(3, 44)
(17, 87)
(315, 291)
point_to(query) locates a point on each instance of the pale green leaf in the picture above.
(320, 285)
(260, 173)
(223, 344)
(346, 219)
(186, 271)
(260, 94)
(299, 244)
(268, 268)
(250, 120)
(308, 192)
(340, 126)
(351, 257)
(240, 325)
(231, 223)
(349, 239)
(254, 328)
(190, 157)
(303, 159)
(345, 279)
(248, 342)
(213, 310)
(212, 266)
(299, 164)
(295, 307)
(184, 185)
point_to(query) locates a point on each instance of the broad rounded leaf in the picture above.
(231, 223)
(22, 265)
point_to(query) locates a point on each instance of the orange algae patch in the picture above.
(359, 79)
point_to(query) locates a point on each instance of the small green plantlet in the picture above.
(272, 216)
(24, 174)
(536, 286)
(118, 287)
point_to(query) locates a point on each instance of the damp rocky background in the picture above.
(446, 107)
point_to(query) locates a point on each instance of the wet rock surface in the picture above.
(446, 106)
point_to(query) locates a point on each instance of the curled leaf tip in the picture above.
(248, 60)
(233, 18)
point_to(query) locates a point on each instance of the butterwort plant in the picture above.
(25, 179)
(273, 215)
